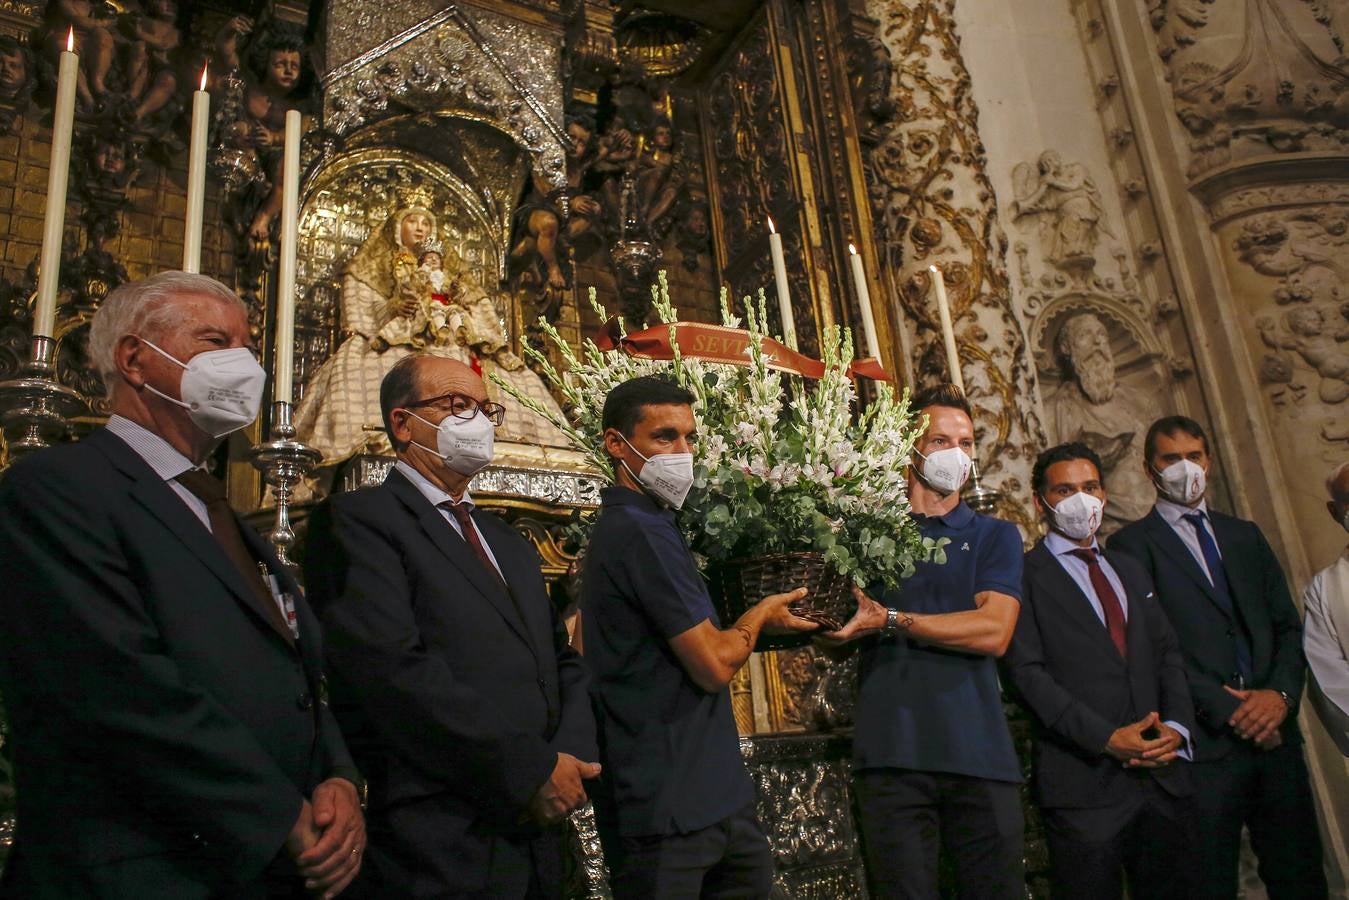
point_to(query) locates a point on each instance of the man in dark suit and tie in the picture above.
(160, 668)
(1226, 596)
(1096, 663)
(451, 672)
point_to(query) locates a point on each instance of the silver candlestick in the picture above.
(283, 462)
(35, 408)
(981, 499)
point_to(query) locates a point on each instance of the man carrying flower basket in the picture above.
(676, 810)
(935, 767)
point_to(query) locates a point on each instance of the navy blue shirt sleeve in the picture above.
(665, 583)
(998, 566)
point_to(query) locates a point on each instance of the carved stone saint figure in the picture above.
(384, 318)
(1068, 205)
(1091, 405)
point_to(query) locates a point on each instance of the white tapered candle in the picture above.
(784, 292)
(196, 178)
(947, 331)
(58, 174)
(285, 282)
(859, 277)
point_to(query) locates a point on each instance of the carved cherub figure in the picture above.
(16, 69)
(1317, 341)
(151, 75)
(264, 86)
(92, 22)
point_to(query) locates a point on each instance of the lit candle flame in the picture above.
(771, 229)
(70, 41)
(932, 269)
(203, 77)
(852, 249)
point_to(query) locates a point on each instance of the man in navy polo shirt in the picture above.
(676, 803)
(934, 763)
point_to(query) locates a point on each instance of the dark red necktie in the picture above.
(1114, 612)
(460, 511)
(225, 529)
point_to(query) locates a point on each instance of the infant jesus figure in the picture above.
(442, 318)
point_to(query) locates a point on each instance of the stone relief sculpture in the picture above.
(1251, 77)
(1068, 206)
(1092, 404)
(385, 319)
(1306, 325)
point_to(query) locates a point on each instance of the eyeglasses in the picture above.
(463, 407)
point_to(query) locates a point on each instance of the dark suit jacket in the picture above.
(1079, 690)
(165, 732)
(1205, 631)
(456, 695)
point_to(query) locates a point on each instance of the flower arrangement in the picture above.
(782, 463)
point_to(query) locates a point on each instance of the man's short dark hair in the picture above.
(398, 389)
(943, 395)
(1062, 453)
(623, 406)
(1169, 425)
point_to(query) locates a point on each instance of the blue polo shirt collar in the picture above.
(618, 495)
(959, 517)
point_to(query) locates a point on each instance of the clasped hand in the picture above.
(328, 839)
(1134, 751)
(1259, 716)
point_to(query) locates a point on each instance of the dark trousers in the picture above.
(1270, 793)
(909, 818)
(1148, 842)
(730, 860)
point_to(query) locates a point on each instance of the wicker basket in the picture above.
(738, 584)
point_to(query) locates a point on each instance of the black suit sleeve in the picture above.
(1173, 680)
(1056, 708)
(576, 730)
(1289, 667)
(162, 739)
(411, 698)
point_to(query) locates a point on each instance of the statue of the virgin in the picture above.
(387, 314)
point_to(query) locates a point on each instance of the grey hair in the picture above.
(144, 308)
(1334, 477)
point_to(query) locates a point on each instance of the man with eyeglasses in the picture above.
(450, 670)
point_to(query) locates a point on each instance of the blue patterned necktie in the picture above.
(1223, 591)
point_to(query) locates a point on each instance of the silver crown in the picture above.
(432, 244)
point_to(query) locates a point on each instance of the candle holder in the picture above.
(35, 408)
(981, 499)
(283, 462)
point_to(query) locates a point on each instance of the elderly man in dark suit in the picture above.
(160, 668)
(450, 669)
(1226, 596)
(1096, 663)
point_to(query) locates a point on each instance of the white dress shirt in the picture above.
(160, 455)
(1325, 639)
(1077, 569)
(438, 498)
(1173, 513)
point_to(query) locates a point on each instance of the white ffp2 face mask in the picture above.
(466, 445)
(1077, 516)
(1181, 482)
(946, 470)
(221, 389)
(666, 476)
